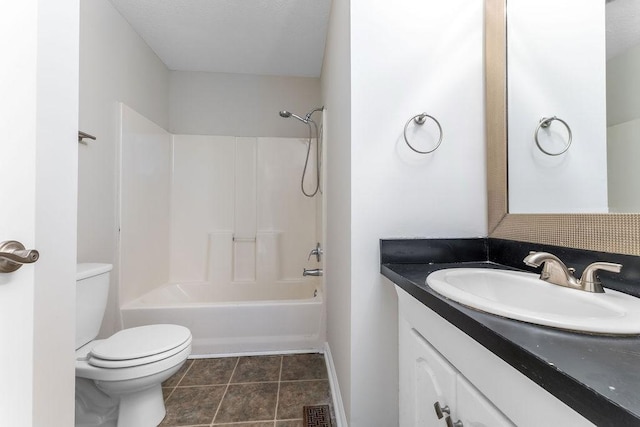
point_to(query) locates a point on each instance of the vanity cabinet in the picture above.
(434, 393)
(440, 363)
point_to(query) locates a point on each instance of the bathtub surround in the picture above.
(144, 222)
(214, 235)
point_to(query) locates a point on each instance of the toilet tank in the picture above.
(92, 291)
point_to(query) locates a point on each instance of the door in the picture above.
(38, 181)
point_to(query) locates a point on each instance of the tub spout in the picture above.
(312, 272)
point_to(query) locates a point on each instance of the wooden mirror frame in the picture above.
(616, 233)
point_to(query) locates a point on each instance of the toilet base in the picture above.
(141, 403)
(142, 408)
(93, 407)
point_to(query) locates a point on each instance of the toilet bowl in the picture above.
(119, 379)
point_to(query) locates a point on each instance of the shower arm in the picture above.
(310, 113)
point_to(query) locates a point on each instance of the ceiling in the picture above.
(265, 37)
(623, 25)
(276, 37)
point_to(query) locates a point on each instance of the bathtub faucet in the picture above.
(312, 272)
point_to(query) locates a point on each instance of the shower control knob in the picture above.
(317, 252)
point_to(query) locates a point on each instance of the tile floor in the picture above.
(255, 391)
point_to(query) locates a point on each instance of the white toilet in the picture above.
(118, 379)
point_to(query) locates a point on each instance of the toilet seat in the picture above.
(139, 346)
(118, 364)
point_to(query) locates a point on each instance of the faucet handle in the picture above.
(590, 281)
(317, 252)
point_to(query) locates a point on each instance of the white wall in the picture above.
(115, 66)
(557, 68)
(240, 104)
(405, 58)
(336, 95)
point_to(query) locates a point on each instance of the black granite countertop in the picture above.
(597, 376)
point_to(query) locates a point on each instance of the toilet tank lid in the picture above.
(90, 269)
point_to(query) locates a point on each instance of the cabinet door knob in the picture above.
(453, 424)
(441, 410)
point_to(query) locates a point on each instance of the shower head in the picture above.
(286, 114)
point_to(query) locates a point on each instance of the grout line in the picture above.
(227, 383)
(299, 381)
(173, 389)
(240, 423)
(250, 382)
(275, 416)
(225, 392)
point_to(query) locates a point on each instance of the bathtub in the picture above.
(238, 318)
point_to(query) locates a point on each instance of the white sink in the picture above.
(523, 296)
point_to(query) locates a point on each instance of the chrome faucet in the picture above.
(312, 272)
(554, 271)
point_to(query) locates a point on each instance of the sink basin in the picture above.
(523, 296)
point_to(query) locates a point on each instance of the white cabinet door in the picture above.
(475, 410)
(427, 378)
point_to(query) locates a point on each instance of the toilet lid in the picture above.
(141, 342)
(131, 363)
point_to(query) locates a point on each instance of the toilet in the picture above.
(119, 379)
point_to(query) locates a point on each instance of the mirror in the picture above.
(580, 72)
(616, 233)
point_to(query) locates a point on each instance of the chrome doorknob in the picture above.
(13, 255)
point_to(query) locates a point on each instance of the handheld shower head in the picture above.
(286, 114)
(312, 125)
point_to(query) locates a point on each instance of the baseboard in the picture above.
(341, 416)
(255, 353)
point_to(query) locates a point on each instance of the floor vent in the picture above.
(317, 416)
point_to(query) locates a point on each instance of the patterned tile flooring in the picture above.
(252, 391)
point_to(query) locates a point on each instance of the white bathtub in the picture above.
(238, 318)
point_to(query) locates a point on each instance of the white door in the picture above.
(38, 181)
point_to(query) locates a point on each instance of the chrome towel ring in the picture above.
(545, 122)
(419, 119)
